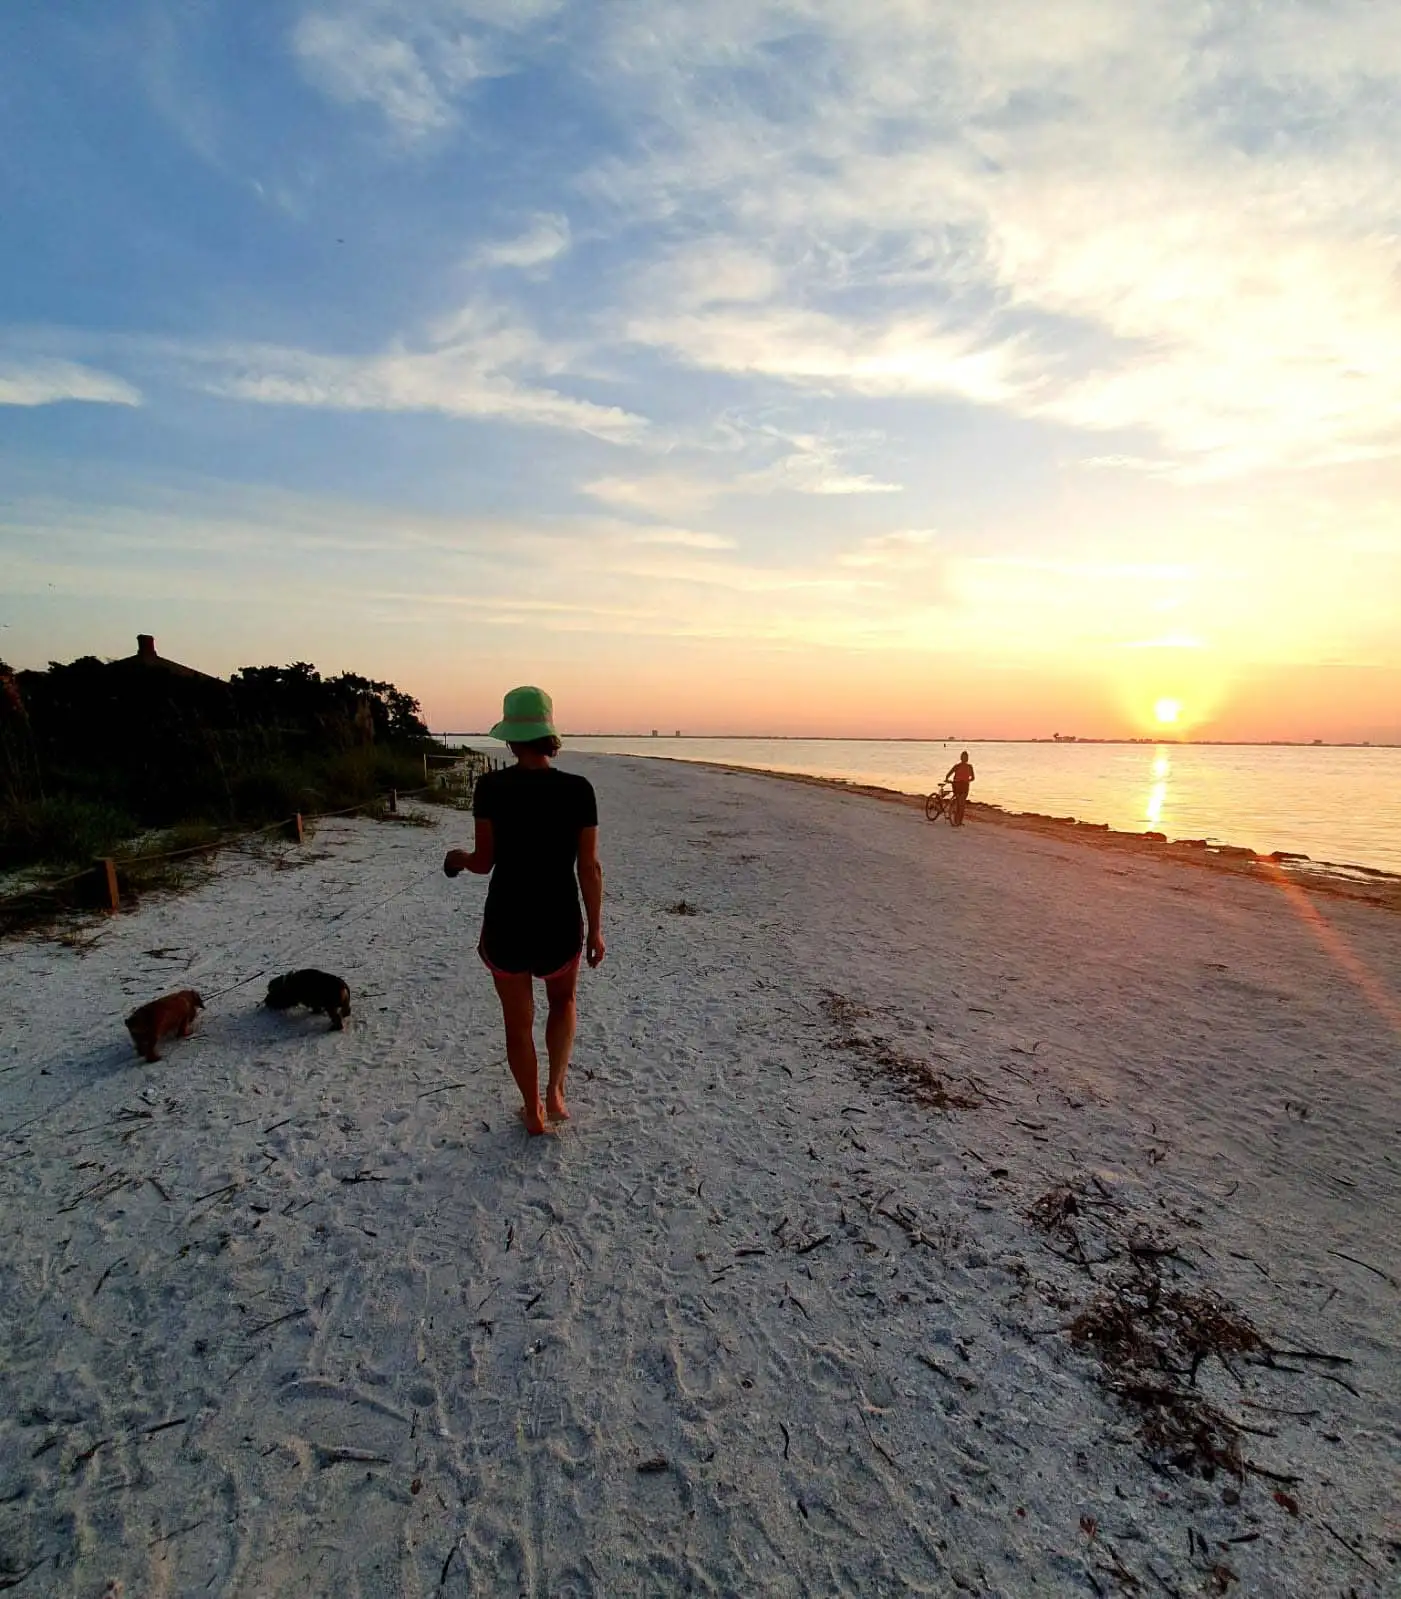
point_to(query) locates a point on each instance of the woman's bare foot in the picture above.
(535, 1121)
(555, 1108)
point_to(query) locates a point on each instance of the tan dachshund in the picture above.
(171, 1016)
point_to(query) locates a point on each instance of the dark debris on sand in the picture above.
(1151, 1338)
(1151, 1334)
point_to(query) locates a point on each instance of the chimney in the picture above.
(145, 647)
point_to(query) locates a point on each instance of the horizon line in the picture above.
(908, 738)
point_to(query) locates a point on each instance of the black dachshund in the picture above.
(316, 990)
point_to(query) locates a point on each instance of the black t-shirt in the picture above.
(532, 906)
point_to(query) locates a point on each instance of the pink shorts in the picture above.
(544, 977)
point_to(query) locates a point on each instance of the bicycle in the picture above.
(940, 803)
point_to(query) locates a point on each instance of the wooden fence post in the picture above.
(425, 768)
(295, 830)
(394, 802)
(107, 883)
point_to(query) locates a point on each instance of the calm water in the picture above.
(1341, 805)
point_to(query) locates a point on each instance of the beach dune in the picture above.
(888, 1142)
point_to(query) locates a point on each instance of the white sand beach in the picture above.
(858, 1136)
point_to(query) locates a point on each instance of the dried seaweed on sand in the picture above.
(911, 1076)
(1151, 1339)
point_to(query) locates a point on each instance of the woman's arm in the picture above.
(591, 887)
(480, 859)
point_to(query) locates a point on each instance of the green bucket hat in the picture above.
(526, 714)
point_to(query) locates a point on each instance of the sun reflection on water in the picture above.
(1157, 793)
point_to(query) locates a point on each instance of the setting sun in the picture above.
(1167, 711)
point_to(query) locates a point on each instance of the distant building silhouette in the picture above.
(147, 659)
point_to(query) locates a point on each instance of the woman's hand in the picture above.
(591, 886)
(455, 861)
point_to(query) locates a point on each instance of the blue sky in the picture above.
(796, 366)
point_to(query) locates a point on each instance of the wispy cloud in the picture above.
(910, 549)
(797, 463)
(544, 241)
(1171, 223)
(240, 552)
(660, 494)
(1146, 218)
(813, 465)
(355, 60)
(452, 382)
(46, 382)
(590, 575)
(685, 538)
(480, 362)
(916, 355)
(411, 59)
(1154, 220)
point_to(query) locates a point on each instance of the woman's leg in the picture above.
(559, 1037)
(517, 996)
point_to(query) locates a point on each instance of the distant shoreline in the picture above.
(1371, 884)
(1343, 879)
(1087, 790)
(971, 738)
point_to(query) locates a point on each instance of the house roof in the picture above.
(148, 660)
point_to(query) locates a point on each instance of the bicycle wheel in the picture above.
(935, 807)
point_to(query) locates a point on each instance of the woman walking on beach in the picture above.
(536, 829)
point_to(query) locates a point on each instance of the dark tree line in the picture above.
(335, 711)
(154, 745)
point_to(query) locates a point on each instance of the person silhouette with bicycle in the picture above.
(960, 774)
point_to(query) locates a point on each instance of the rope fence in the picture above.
(352, 913)
(45, 888)
(103, 873)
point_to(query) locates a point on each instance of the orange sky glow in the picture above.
(884, 369)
